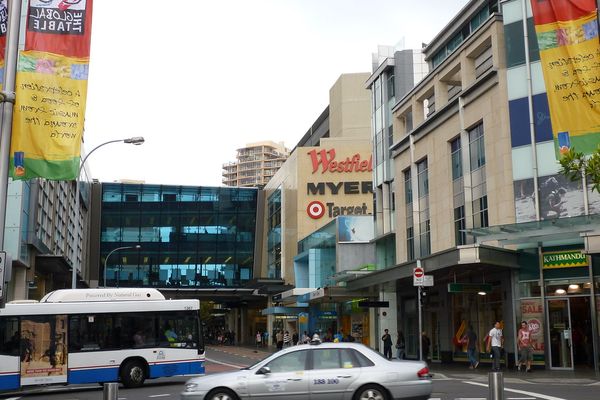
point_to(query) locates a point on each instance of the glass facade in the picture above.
(274, 235)
(188, 236)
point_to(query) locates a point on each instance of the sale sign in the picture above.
(532, 312)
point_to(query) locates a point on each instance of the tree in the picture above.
(574, 163)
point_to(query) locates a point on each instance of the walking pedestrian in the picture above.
(287, 339)
(387, 344)
(400, 346)
(472, 347)
(524, 346)
(495, 342)
(295, 338)
(279, 339)
(258, 339)
(425, 343)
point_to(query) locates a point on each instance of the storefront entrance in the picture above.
(570, 332)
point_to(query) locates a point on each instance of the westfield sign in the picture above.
(326, 159)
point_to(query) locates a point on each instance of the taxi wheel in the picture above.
(221, 394)
(371, 392)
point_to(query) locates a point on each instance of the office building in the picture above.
(255, 164)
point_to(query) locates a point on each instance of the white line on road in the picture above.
(224, 363)
(537, 395)
(13, 398)
(160, 395)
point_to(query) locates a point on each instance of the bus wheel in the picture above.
(133, 374)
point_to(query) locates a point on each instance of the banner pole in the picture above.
(8, 100)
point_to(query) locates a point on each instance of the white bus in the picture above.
(99, 335)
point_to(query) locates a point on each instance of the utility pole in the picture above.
(7, 98)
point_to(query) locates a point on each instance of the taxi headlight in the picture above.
(191, 387)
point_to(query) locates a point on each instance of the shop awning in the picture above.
(460, 256)
(335, 294)
(283, 310)
(549, 232)
(292, 295)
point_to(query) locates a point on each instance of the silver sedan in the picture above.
(327, 371)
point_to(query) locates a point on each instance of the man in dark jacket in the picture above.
(387, 344)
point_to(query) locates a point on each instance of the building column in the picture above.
(244, 327)
(387, 318)
(236, 326)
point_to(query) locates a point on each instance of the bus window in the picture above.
(9, 336)
(178, 330)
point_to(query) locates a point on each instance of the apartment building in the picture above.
(255, 164)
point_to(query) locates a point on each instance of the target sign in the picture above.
(315, 209)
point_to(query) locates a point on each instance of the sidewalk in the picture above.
(453, 371)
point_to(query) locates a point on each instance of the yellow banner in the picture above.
(48, 116)
(570, 56)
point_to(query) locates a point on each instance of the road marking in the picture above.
(537, 395)
(160, 395)
(13, 398)
(224, 363)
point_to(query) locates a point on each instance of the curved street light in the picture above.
(137, 246)
(136, 140)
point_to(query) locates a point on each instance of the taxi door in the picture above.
(333, 371)
(286, 378)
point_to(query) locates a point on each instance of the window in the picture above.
(480, 213)
(460, 236)
(477, 147)
(362, 359)
(425, 238)
(289, 362)
(410, 243)
(407, 187)
(391, 90)
(422, 178)
(456, 159)
(10, 338)
(326, 359)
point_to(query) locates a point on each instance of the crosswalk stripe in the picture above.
(537, 395)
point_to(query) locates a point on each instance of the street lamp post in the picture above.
(137, 246)
(137, 140)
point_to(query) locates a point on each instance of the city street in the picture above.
(451, 384)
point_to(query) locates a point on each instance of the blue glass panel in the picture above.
(519, 120)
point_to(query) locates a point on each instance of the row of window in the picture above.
(319, 359)
(479, 205)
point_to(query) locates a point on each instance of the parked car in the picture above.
(320, 371)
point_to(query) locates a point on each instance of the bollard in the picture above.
(111, 391)
(496, 385)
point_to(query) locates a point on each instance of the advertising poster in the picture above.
(567, 35)
(43, 349)
(355, 229)
(532, 313)
(51, 90)
(3, 30)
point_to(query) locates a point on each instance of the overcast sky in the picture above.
(199, 79)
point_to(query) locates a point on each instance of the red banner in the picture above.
(60, 27)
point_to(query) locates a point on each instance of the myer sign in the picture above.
(564, 259)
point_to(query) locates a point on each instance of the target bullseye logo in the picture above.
(315, 209)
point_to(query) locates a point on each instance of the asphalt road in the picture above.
(446, 387)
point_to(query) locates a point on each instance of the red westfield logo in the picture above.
(326, 158)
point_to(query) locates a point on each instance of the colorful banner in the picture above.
(51, 90)
(567, 35)
(3, 31)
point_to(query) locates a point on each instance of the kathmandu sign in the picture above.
(564, 259)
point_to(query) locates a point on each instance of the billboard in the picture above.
(43, 349)
(334, 180)
(355, 229)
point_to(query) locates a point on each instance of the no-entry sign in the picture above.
(418, 274)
